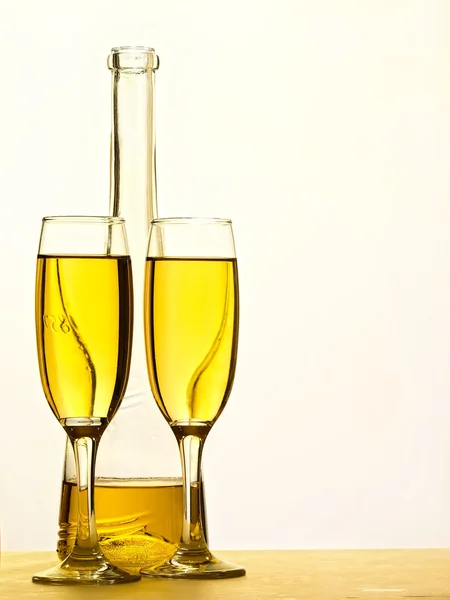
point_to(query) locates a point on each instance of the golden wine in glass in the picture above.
(191, 328)
(84, 317)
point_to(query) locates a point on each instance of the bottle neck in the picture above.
(133, 165)
(133, 178)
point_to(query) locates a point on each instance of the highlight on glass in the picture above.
(191, 315)
(84, 319)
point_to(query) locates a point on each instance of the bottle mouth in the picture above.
(131, 49)
(133, 58)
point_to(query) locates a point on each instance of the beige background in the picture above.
(323, 129)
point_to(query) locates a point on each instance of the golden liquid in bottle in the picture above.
(138, 520)
(191, 330)
(84, 314)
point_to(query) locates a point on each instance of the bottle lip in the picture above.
(136, 59)
(131, 49)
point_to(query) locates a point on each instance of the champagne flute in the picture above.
(84, 318)
(191, 330)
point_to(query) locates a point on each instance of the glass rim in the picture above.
(191, 221)
(83, 219)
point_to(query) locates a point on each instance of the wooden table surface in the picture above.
(286, 575)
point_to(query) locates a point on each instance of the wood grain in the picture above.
(286, 575)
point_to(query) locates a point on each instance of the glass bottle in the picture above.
(138, 491)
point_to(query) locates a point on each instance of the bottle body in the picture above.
(138, 490)
(138, 519)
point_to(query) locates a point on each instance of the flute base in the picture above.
(91, 573)
(184, 565)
